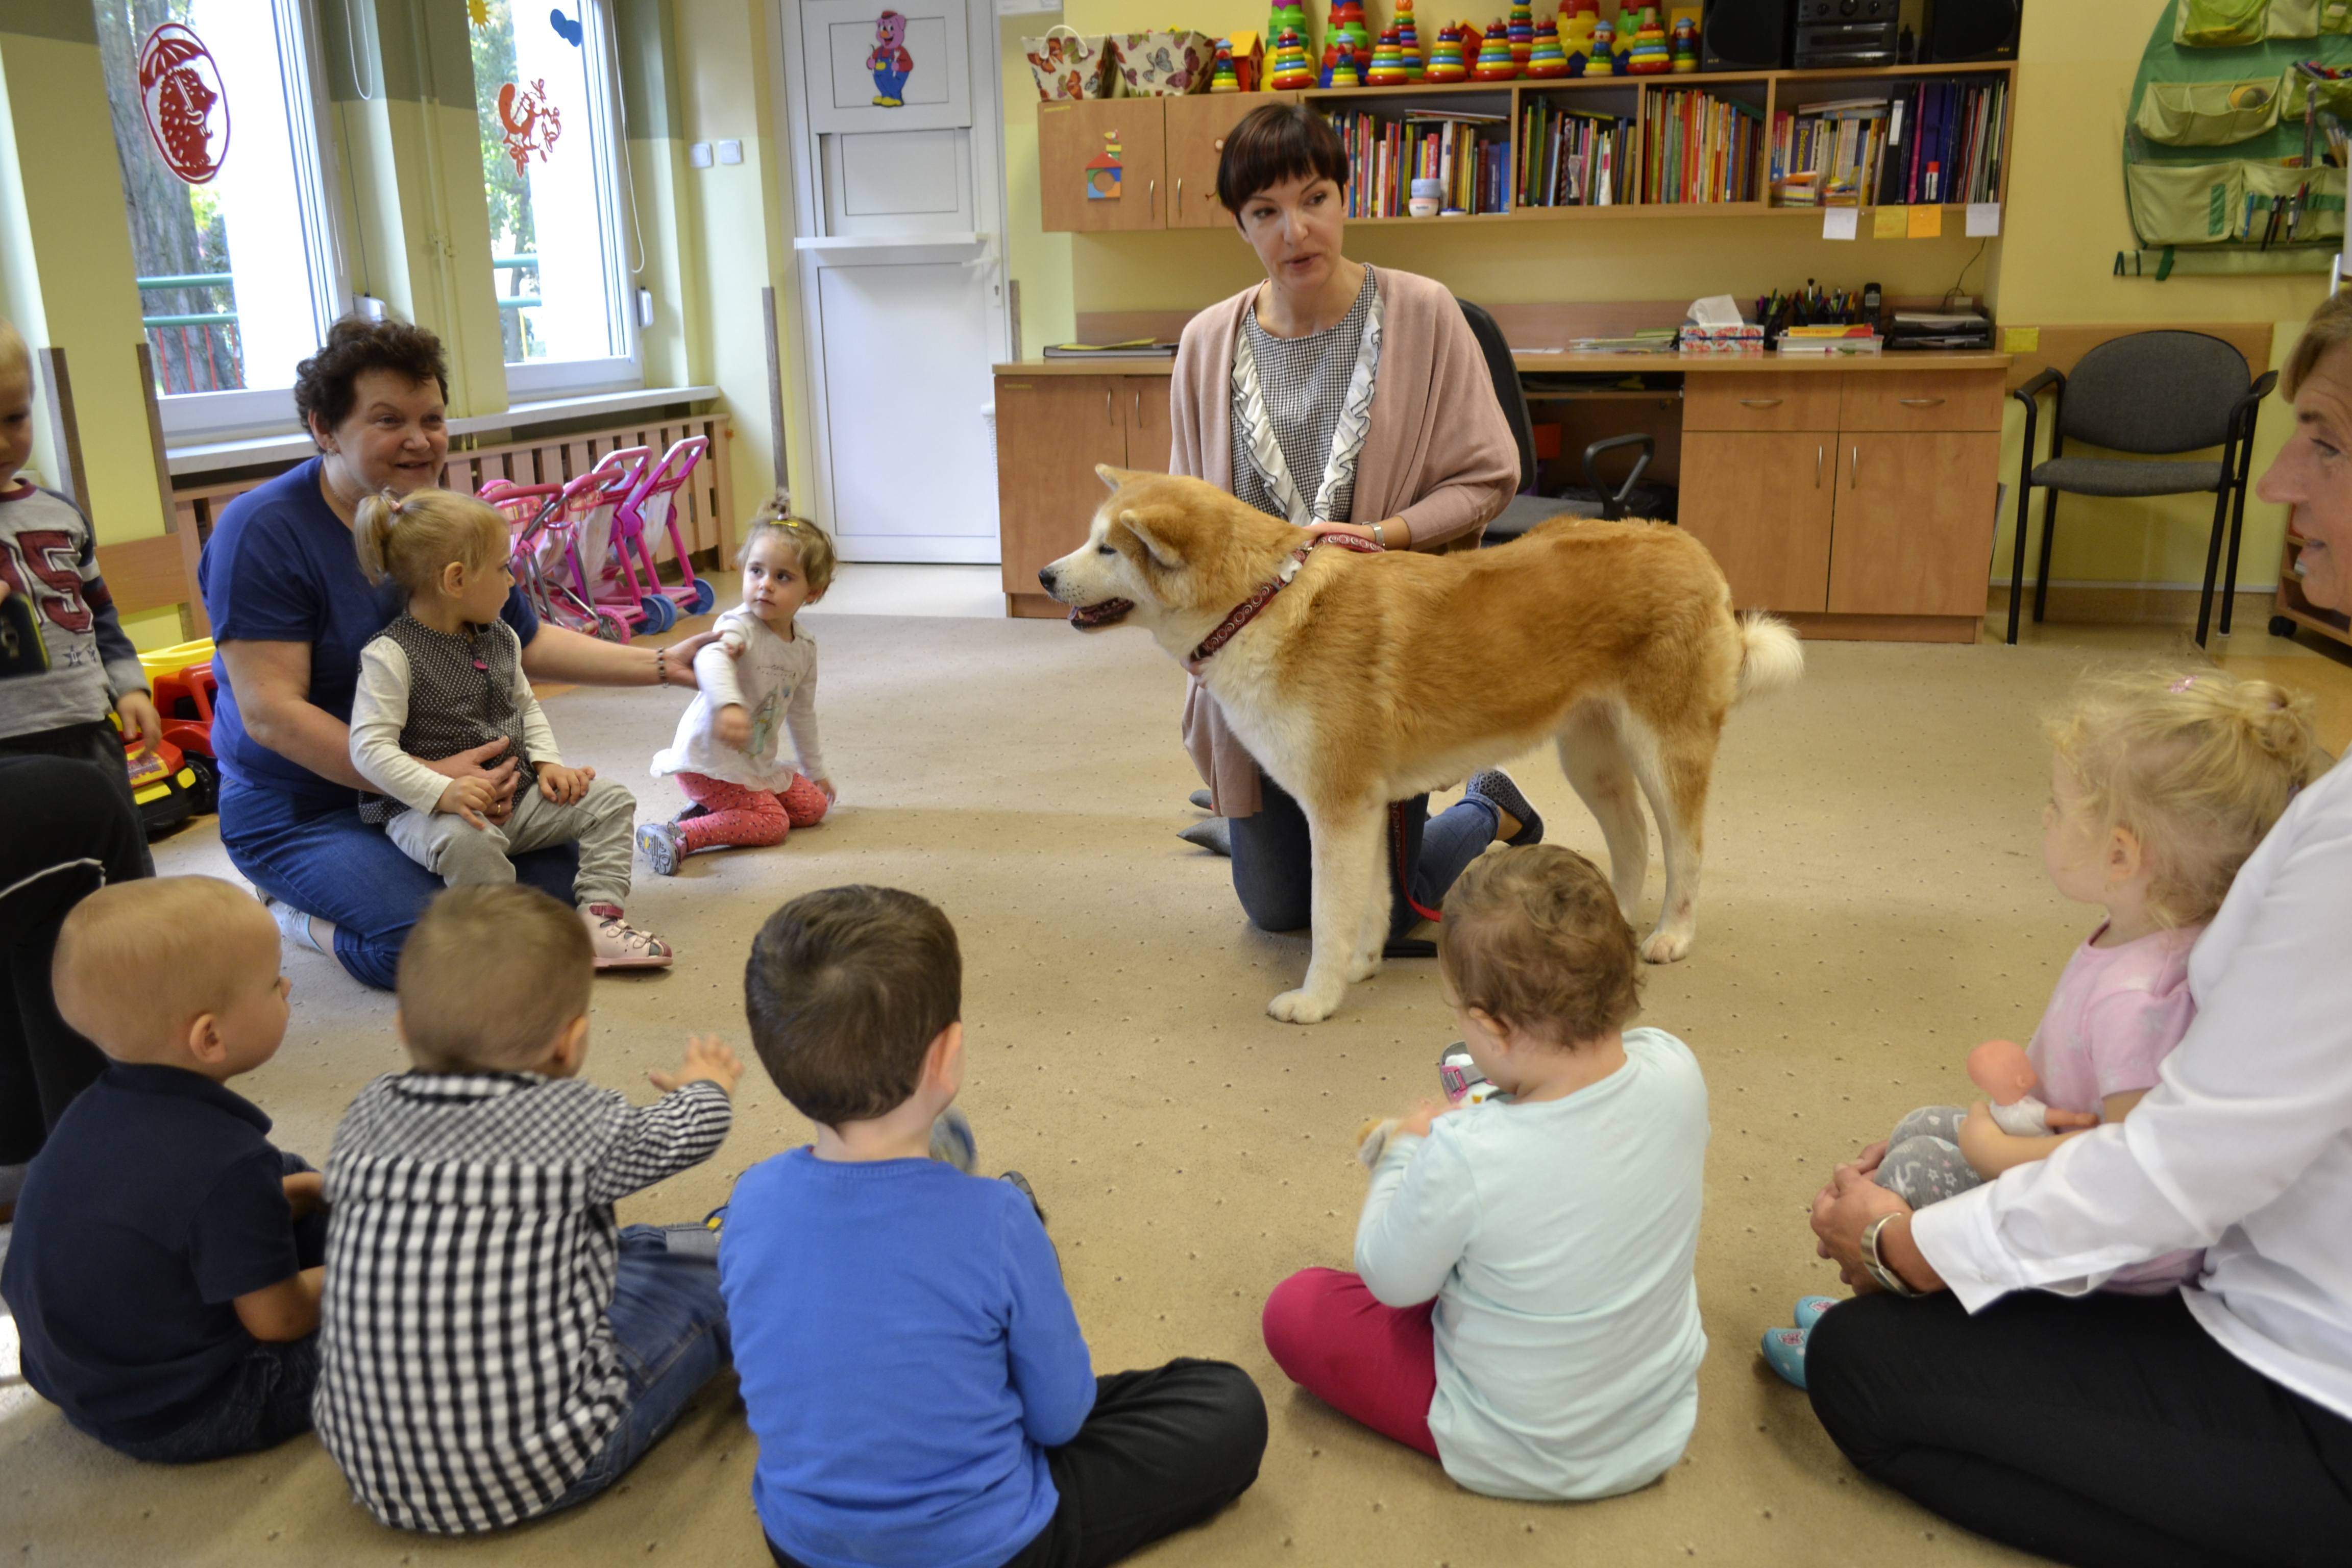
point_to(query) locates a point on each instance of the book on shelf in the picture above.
(1827, 154)
(1931, 140)
(1133, 348)
(1467, 153)
(1575, 157)
(1700, 148)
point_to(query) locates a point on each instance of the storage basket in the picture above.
(1069, 65)
(1164, 64)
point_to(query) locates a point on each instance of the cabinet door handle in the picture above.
(1139, 408)
(1760, 403)
(1818, 452)
(1151, 200)
(1853, 474)
(1919, 402)
(1109, 417)
(1179, 209)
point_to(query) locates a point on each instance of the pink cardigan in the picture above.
(1439, 455)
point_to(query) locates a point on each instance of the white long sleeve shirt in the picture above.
(1558, 1238)
(2243, 1148)
(775, 682)
(379, 712)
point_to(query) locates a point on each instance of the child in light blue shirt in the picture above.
(1523, 1307)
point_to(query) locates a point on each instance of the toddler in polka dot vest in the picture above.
(445, 677)
(759, 685)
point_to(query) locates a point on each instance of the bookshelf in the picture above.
(1763, 94)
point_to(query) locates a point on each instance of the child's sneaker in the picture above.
(1810, 1310)
(619, 945)
(662, 846)
(1784, 1352)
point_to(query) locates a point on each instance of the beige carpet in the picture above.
(1875, 905)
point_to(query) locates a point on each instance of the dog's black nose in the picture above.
(1046, 576)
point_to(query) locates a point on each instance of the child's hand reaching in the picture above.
(141, 719)
(707, 1061)
(563, 786)
(468, 798)
(1414, 1124)
(732, 725)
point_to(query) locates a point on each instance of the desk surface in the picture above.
(1627, 364)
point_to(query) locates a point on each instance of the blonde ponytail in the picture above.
(2197, 763)
(411, 540)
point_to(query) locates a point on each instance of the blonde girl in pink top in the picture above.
(2161, 784)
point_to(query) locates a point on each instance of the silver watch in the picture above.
(1876, 1267)
(1377, 537)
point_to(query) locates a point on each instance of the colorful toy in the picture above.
(1408, 41)
(1576, 34)
(1348, 22)
(1494, 61)
(1522, 33)
(1340, 68)
(1445, 63)
(1222, 78)
(1388, 62)
(1600, 58)
(1249, 61)
(1547, 60)
(1291, 70)
(181, 681)
(1685, 45)
(1650, 54)
(649, 508)
(889, 61)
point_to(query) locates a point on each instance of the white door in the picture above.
(900, 299)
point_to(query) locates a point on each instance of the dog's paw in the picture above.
(1302, 1006)
(1666, 947)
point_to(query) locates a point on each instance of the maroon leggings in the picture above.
(1376, 1365)
(740, 814)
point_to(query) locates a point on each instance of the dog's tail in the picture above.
(1771, 655)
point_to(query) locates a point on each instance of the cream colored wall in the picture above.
(1038, 261)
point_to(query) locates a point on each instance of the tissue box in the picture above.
(1746, 337)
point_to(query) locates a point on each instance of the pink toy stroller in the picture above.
(538, 527)
(631, 585)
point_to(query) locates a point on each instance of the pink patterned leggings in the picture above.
(740, 814)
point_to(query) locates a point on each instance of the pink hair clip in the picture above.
(2184, 683)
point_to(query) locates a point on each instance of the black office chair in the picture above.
(2161, 392)
(1527, 509)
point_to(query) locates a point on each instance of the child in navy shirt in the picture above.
(164, 1270)
(909, 1359)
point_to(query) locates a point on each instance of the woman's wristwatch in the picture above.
(1875, 1265)
(1377, 537)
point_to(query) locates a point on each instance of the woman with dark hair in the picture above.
(292, 610)
(1349, 401)
(1984, 1376)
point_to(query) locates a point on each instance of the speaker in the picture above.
(1746, 34)
(1963, 30)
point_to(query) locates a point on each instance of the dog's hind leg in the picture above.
(1674, 768)
(1346, 842)
(1593, 755)
(1372, 936)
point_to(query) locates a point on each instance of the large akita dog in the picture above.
(1359, 680)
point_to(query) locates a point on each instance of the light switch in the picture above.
(698, 154)
(731, 152)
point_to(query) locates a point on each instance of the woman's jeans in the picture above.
(323, 860)
(1274, 872)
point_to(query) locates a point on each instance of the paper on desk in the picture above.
(1715, 311)
(1841, 222)
(1925, 221)
(1984, 219)
(1887, 223)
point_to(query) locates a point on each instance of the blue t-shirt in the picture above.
(906, 1354)
(156, 1202)
(280, 567)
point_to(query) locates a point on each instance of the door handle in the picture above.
(1151, 199)
(1919, 402)
(1760, 403)
(1139, 408)
(1817, 466)
(1109, 417)
(1853, 474)
(1179, 210)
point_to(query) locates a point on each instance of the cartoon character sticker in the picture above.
(179, 89)
(531, 123)
(764, 723)
(889, 61)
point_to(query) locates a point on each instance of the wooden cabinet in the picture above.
(1860, 502)
(1071, 136)
(1051, 431)
(1761, 502)
(1168, 149)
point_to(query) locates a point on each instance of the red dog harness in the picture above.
(1246, 611)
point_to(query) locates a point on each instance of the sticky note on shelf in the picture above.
(1926, 223)
(1887, 223)
(1984, 220)
(2021, 339)
(1841, 222)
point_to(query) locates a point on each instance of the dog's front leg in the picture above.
(1344, 839)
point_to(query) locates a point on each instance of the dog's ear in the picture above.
(1114, 478)
(1150, 527)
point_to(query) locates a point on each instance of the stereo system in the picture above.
(1844, 35)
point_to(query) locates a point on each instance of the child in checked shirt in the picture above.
(726, 755)
(493, 1345)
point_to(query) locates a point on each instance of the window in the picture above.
(215, 123)
(545, 99)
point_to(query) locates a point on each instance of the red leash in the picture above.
(1246, 611)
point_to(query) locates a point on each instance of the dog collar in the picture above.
(1246, 611)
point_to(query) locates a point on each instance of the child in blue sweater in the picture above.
(909, 1359)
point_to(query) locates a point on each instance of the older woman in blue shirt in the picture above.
(292, 610)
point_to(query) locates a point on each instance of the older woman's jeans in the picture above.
(1274, 863)
(326, 862)
(2101, 1429)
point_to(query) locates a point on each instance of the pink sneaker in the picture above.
(619, 945)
